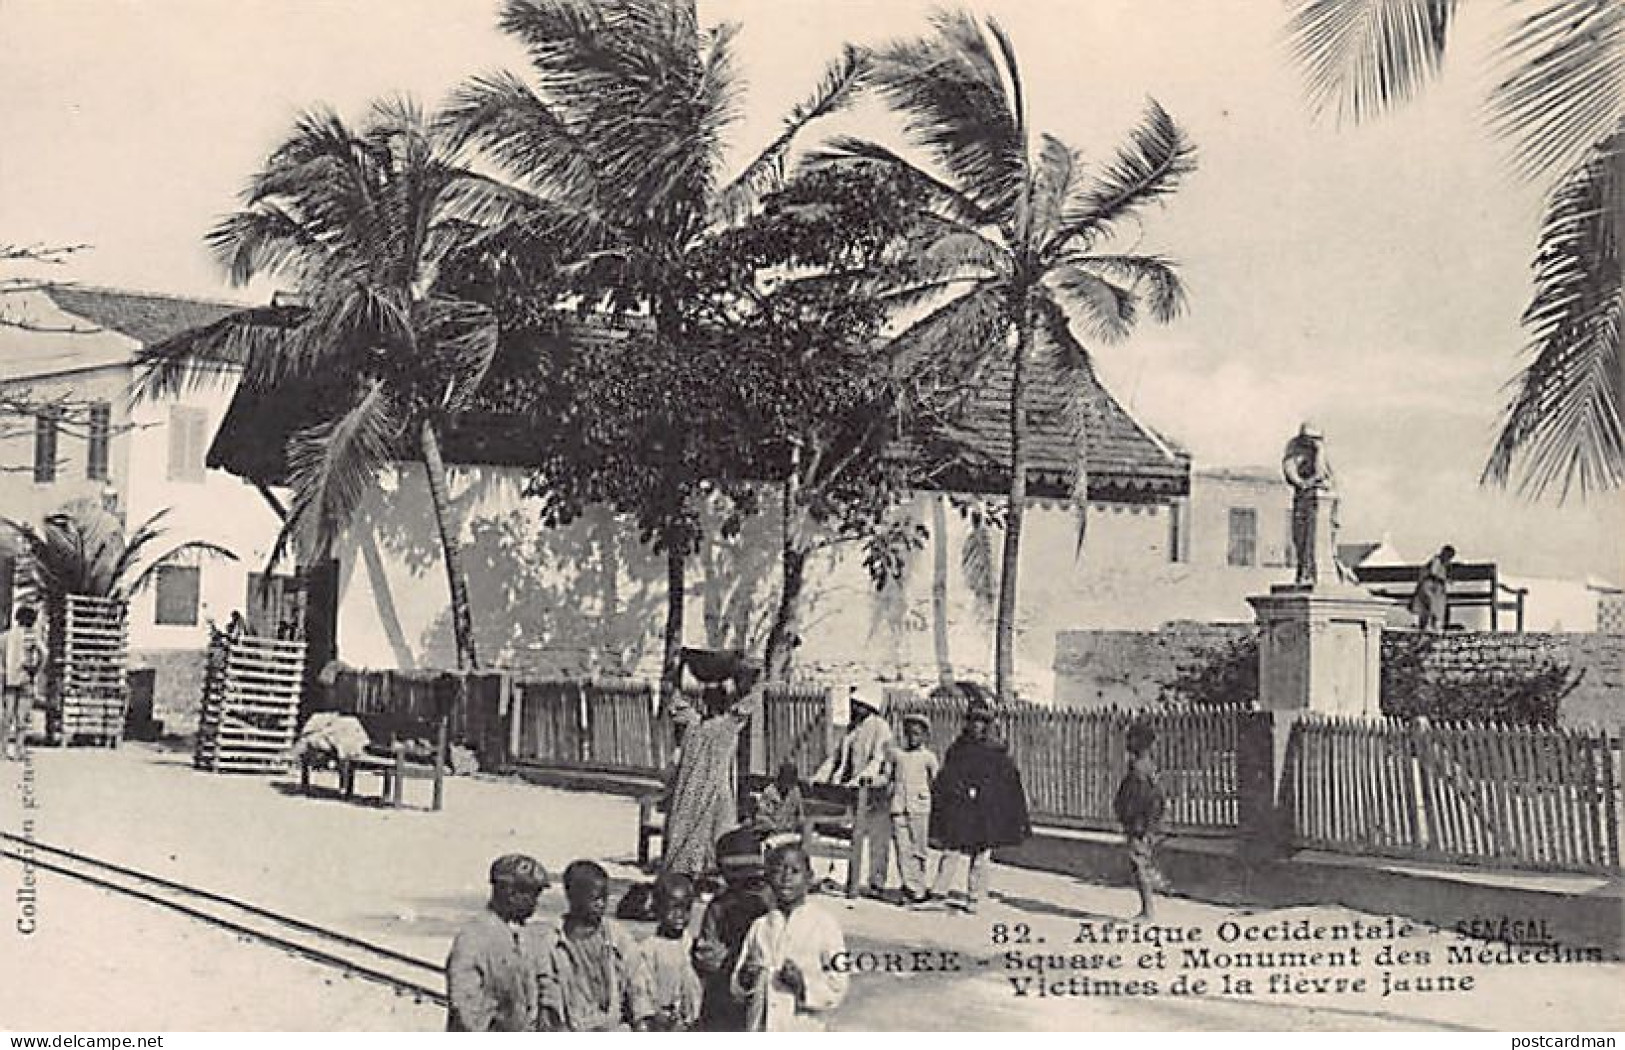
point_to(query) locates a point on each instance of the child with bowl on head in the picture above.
(787, 971)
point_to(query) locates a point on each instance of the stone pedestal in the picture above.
(1319, 652)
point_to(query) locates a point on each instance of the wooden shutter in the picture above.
(1243, 536)
(178, 587)
(45, 432)
(98, 436)
(187, 442)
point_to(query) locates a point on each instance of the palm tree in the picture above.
(618, 138)
(82, 549)
(361, 221)
(1561, 101)
(1011, 245)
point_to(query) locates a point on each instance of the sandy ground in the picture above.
(409, 878)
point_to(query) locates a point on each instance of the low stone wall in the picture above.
(1469, 658)
(1129, 668)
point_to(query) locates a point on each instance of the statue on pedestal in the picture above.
(1314, 507)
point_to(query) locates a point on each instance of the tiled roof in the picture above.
(1127, 459)
(145, 317)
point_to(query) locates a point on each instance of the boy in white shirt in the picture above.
(914, 770)
(786, 971)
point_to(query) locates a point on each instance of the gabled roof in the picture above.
(146, 317)
(1128, 461)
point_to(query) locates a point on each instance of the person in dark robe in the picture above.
(745, 898)
(978, 803)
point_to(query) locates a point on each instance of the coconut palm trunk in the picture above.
(1004, 626)
(462, 619)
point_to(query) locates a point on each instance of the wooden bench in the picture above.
(1471, 585)
(387, 757)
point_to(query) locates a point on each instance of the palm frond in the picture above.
(332, 465)
(960, 102)
(948, 348)
(241, 342)
(840, 85)
(933, 192)
(1156, 159)
(1563, 424)
(1566, 89)
(507, 120)
(184, 551)
(1151, 278)
(1065, 357)
(1106, 308)
(461, 338)
(1361, 57)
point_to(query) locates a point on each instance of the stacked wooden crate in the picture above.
(88, 659)
(250, 710)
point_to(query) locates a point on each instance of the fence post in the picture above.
(1263, 807)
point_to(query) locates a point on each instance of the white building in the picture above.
(76, 364)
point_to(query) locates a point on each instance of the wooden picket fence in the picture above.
(1545, 799)
(795, 727)
(475, 703)
(1071, 760)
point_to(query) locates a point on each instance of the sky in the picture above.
(1369, 278)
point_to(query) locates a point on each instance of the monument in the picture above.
(1320, 636)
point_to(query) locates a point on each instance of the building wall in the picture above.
(24, 499)
(590, 598)
(219, 509)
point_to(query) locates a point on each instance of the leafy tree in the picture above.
(1561, 102)
(1009, 247)
(361, 221)
(617, 140)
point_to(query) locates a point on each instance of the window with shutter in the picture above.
(187, 443)
(46, 426)
(178, 587)
(98, 435)
(1243, 536)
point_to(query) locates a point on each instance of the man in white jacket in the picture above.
(861, 759)
(788, 970)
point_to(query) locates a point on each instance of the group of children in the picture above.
(762, 960)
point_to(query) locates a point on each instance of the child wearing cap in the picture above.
(744, 899)
(914, 770)
(1139, 805)
(491, 971)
